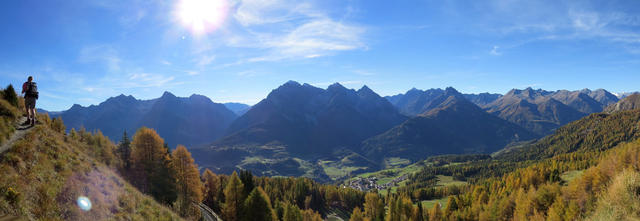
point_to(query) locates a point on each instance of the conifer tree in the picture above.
(10, 95)
(163, 182)
(147, 154)
(373, 207)
(124, 151)
(233, 194)
(357, 215)
(189, 186)
(436, 213)
(247, 180)
(213, 189)
(257, 207)
(452, 205)
(291, 213)
(556, 211)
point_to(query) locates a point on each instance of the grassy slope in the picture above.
(44, 174)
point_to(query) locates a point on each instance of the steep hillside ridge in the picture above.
(598, 131)
(453, 126)
(196, 119)
(630, 102)
(45, 173)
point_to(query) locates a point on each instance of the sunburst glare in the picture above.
(201, 16)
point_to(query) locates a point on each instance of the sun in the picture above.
(201, 16)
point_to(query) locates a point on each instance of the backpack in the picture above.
(32, 90)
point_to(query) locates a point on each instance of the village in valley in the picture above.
(369, 183)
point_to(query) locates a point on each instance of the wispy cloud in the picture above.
(494, 51)
(104, 54)
(275, 30)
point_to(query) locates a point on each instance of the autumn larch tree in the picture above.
(373, 207)
(257, 207)
(189, 186)
(147, 155)
(233, 194)
(213, 189)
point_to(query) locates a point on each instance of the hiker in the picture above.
(30, 91)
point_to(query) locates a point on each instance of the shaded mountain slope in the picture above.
(415, 101)
(297, 126)
(237, 108)
(454, 126)
(482, 99)
(189, 121)
(309, 120)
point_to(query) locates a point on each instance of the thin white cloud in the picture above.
(206, 60)
(274, 30)
(104, 54)
(494, 51)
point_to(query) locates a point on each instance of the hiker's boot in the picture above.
(33, 122)
(26, 123)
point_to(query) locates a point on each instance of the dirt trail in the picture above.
(19, 133)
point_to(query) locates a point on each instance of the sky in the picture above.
(85, 51)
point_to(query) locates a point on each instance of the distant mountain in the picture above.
(630, 102)
(190, 121)
(415, 101)
(535, 110)
(482, 99)
(603, 96)
(238, 108)
(579, 100)
(453, 126)
(298, 124)
(624, 94)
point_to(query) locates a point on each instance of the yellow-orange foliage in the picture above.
(147, 154)
(189, 187)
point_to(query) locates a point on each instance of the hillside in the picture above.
(189, 121)
(45, 173)
(453, 126)
(628, 103)
(599, 131)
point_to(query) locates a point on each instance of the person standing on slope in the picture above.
(30, 91)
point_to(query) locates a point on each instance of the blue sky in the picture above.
(84, 51)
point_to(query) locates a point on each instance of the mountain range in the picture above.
(190, 121)
(328, 134)
(539, 111)
(453, 126)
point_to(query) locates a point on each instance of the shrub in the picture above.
(621, 201)
(9, 94)
(8, 110)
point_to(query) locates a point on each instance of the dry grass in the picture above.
(44, 174)
(621, 201)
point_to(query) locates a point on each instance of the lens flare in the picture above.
(201, 16)
(84, 203)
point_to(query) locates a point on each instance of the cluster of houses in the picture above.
(369, 183)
